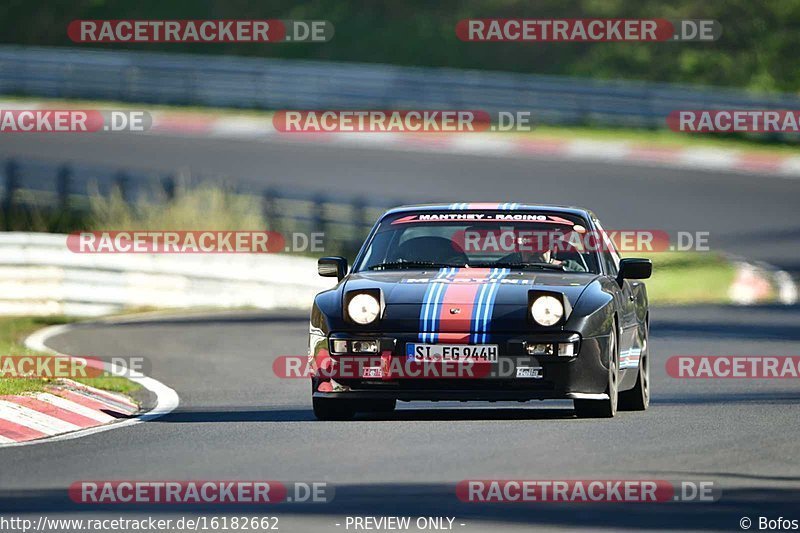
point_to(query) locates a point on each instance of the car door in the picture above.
(626, 305)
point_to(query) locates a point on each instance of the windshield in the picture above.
(518, 240)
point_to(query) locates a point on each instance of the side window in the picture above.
(608, 252)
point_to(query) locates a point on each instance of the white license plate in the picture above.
(529, 372)
(472, 353)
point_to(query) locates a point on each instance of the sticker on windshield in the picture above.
(483, 217)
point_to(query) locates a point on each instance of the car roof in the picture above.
(492, 206)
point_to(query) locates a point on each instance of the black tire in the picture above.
(604, 408)
(333, 409)
(638, 398)
(377, 406)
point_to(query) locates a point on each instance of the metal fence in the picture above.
(48, 196)
(162, 78)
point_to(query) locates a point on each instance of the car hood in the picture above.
(410, 287)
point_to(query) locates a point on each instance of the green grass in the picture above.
(13, 331)
(682, 278)
(13, 386)
(112, 383)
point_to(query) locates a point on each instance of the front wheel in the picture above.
(603, 408)
(333, 409)
(638, 398)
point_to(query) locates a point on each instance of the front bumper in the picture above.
(459, 395)
(583, 376)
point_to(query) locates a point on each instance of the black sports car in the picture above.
(489, 302)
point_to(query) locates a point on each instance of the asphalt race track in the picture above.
(238, 421)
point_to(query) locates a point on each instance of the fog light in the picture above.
(540, 349)
(339, 346)
(370, 346)
(567, 349)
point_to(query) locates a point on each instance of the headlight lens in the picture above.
(363, 308)
(547, 310)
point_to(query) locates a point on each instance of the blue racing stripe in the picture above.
(423, 313)
(433, 292)
(488, 305)
(436, 304)
(483, 306)
(476, 310)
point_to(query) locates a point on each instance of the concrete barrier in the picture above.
(40, 276)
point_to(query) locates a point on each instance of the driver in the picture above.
(529, 252)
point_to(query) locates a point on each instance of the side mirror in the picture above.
(634, 269)
(330, 267)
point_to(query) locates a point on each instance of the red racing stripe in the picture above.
(453, 338)
(460, 296)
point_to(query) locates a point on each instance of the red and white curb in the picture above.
(199, 124)
(755, 283)
(69, 410)
(489, 144)
(65, 407)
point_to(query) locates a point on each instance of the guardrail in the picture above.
(228, 81)
(40, 276)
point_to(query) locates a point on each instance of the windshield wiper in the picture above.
(410, 264)
(521, 266)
